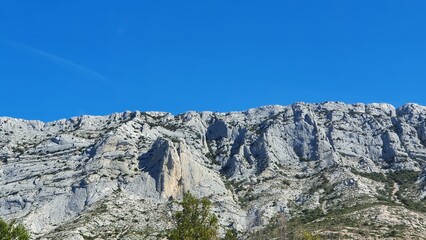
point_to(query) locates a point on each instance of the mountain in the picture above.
(354, 170)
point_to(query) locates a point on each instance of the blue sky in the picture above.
(65, 58)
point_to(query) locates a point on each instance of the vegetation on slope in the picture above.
(196, 222)
(13, 231)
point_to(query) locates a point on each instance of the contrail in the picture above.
(56, 59)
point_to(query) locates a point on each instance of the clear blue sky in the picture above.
(65, 58)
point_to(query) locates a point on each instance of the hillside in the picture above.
(335, 169)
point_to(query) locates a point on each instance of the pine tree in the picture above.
(194, 222)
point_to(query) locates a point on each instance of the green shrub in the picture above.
(404, 176)
(13, 231)
(376, 176)
(310, 215)
(195, 220)
(230, 235)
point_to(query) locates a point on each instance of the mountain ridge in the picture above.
(408, 104)
(255, 164)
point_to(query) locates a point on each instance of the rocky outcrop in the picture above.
(59, 177)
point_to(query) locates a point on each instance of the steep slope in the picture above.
(116, 176)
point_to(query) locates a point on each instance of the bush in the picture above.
(375, 176)
(230, 235)
(195, 220)
(310, 236)
(404, 176)
(13, 231)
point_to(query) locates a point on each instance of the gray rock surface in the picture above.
(116, 176)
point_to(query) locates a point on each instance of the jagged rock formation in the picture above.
(115, 177)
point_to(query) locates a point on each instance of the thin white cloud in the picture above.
(56, 59)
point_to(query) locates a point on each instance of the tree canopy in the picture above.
(195, 220)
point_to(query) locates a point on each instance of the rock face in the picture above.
(116, 176)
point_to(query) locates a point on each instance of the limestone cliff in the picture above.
(116, 176)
